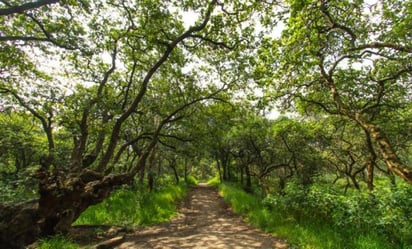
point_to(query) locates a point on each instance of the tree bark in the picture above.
(390, 157)
(186, 169)
(219, 170)
(392, 161)
(62, 200)
(172, 165)
(248, 179)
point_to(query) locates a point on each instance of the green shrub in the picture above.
(321, 216)
(18, 187)
(215, 181)
(191, 180)
(240, 201)
(385, 211)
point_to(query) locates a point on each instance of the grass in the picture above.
(305, 233)
(125, 207)
(134, 208)
(57, 242)
(191, 181)
(215, 181)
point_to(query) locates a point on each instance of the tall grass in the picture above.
(306, 229)
(134, 207)
(215, 181)
(125, 207)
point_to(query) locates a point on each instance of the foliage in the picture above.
(20, 142)
(240, 201)
(108, 85)
(135, 207)
(17, 190)
(215, 181)
(191, 181)
(322, 217)
(89, 101)
(347, 59)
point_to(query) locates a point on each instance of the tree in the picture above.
(217, 122)
(252, 145)
(99, 87)
(346, 58)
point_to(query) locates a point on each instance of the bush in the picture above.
(240, 201)
(320, 216)
(385, 212)
(215, 181)
(191, 181)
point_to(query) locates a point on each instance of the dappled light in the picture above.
(111, 112)
(204, 221)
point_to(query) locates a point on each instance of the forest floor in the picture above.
(204, 221)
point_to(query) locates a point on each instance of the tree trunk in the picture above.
(150, 181)
(282, 185)
(229, 172)
(172, 165)
(370, 168)
(150, 174)
(62, 200)
(392, 161)
(186, 169)
(142, 173)
(219, 170)
(390, 157)
(225, 175)
(241, 175)
(354, 181)
(248, 179)
(372, 159)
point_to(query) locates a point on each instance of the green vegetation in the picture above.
(57, 242)
(323, 217)
(95, 96)
(214, 181)
(128, 207)
(191, 180)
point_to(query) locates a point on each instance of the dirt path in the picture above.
(204, 221)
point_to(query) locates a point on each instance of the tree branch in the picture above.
(24, 7)
(24, 38)
(215, 43)
(379, 45)
(133, 106)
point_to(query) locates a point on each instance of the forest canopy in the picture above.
(97, 94)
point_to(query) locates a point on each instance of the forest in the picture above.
(298, 111)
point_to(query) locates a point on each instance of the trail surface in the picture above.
(204, 221)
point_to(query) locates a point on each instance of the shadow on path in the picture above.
(204, 221)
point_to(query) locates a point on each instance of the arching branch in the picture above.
(15, 9)
(134, 105)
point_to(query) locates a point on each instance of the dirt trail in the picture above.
(204, 221)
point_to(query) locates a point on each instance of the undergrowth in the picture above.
(215, 181)
(128, 207)
(57, 242)
(319, 217)
(125, 207)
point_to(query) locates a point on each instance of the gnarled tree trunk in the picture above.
(392, 161)
(62, 200)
